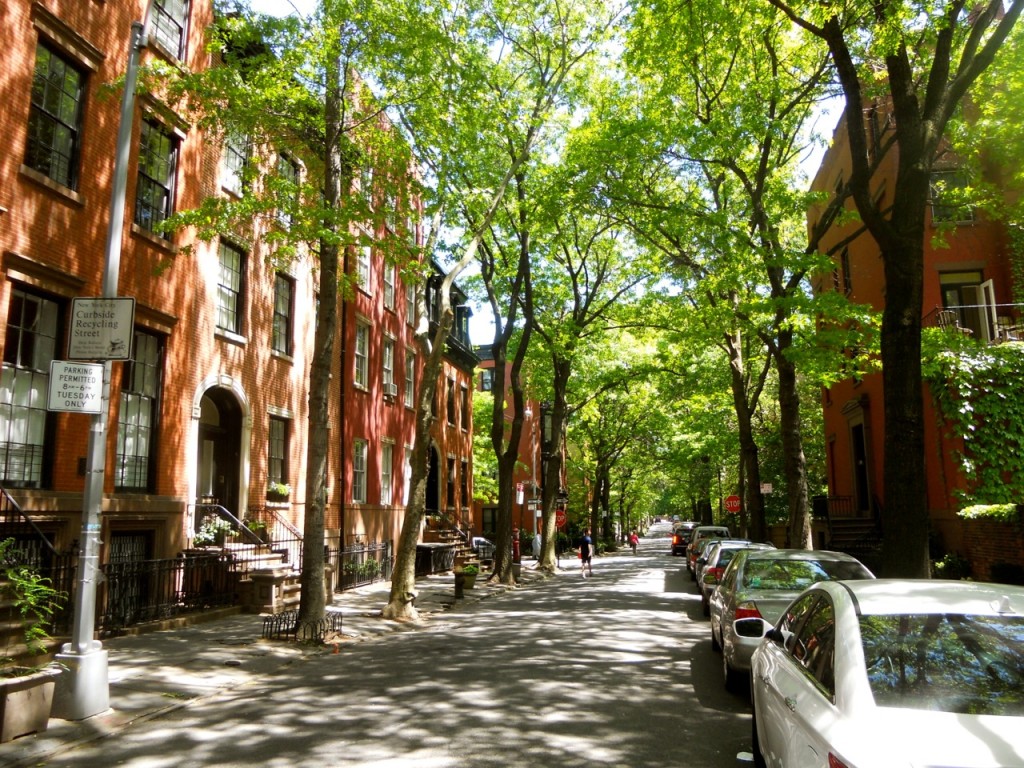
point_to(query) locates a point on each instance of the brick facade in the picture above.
(219, 388)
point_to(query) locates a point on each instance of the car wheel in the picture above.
(729, 675)
(705, 606)
(715, 645)
(755, 742)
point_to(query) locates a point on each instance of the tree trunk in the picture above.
(744, 406)
(312, 596)
(905, 519)
(800, 535)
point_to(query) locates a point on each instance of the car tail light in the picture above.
(676, 540)
(835, 762)
(747, 611)
(715, 571)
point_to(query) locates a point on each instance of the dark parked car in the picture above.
(681, 537)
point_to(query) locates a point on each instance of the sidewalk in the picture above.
(152, 674)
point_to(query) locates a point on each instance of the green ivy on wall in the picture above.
(1016, 233)
(979, 391)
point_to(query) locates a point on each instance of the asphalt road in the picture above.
(614, 670)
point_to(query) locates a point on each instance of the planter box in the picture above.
(25, 703)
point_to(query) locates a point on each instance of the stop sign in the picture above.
(732, 504)
(560, 518)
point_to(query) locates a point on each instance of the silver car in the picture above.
(713, 561)
(759, 584)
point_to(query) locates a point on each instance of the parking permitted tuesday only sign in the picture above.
(75, 387)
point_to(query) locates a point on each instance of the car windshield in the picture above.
(798, 574)
(946, 662)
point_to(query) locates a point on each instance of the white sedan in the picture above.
(878, 673)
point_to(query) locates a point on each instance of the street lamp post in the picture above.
(83, 690)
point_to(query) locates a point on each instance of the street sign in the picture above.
(101, 329)
(560, 518)
(520, 496)
(732, 504)
(75, 387)
(766, 487)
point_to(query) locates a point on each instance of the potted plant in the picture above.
(469, 573)
(259, 528)
(26, 693)
(213, 532)
(278, 491)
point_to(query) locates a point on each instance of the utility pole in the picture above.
(83, 690)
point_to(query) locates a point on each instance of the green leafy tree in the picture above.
(921, 60)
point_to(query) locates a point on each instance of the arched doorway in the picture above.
(219, 451)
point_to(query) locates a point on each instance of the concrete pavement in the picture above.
(153, 674)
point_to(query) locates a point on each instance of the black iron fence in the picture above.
(361, 563)
(148, 590)
(33, 546)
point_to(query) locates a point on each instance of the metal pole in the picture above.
(83, 690)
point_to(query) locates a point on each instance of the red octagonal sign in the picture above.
(560, 518)
(732, 504)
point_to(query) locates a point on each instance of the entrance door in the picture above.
(860, 468)
(433, 502)
(219, 450)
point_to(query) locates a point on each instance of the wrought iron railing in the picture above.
(33, 547)
(139, 591)
(362, 563)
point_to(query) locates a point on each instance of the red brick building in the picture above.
(967, 288)
(212, 407)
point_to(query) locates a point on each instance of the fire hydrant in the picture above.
(515, 546)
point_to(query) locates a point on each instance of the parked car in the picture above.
(888, 672)
(699, 533)
(759, 584)
(714, 559)
(681, 536)
(705, 548)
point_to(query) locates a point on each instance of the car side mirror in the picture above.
(776, 635)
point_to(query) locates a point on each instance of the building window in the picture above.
(288, 170)
(230, 282)
(168, 25)
(362, 362)
(363, 256)
(277, 451)
(55, 118)
(284, 302)
(388, 367)
(410, 304)
(29, 346)
(158, 160)
(359, 471)
(464, 408)
(137, 415)
(406, 474)
(949, 197)
(410, 378)
(464, 484)
(450, 495)
(844, 264)
(389, 286)
(236, 157)
(387, 453)
(450, 402)
(486, 380)
(366, 184)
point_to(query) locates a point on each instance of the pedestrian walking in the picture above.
(586, 554)
(633, 541)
